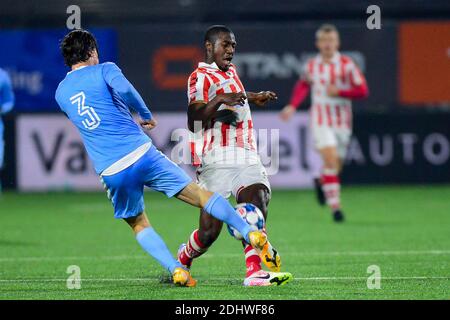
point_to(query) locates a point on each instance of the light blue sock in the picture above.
(221, 209)
(154, 245)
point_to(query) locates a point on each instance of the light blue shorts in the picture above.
(125, 189)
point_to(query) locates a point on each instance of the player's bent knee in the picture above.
(330, 158)
(195, 195)
(138, 223)
(204, 196)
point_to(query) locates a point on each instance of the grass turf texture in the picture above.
(403, 230)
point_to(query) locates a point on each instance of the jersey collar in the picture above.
(334, 59)
(76, 69)
(206, 65)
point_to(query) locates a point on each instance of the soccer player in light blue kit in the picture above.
(6, 104)
(96, 98)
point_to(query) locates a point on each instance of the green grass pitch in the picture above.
(403, 230)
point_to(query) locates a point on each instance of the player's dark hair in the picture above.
(213, 32)
(77, 46)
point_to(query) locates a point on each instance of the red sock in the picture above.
(252, 260)
(194, 248)
(331, 187)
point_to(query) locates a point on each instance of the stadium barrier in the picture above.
(385, 149)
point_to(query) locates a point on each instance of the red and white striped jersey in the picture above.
(230, 134)
(342, 72)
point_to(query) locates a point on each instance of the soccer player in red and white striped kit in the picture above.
(226, 152)
(334, 81)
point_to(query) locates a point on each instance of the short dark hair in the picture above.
(77, 46)
(212, 33)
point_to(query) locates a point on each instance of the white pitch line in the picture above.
(226, 279)
(233, 255)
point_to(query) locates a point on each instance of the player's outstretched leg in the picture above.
(154, 245)
(331, 183)
(218, 207)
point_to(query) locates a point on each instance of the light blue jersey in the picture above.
(6, 104)
(97, 100)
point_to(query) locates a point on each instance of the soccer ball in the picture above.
(251, 214)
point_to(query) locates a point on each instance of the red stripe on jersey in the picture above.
(337, 109)
(332, 74)
(233, 88)
(238, 81)
(319, 114)
(211, 140)
(192, 80)
(192, 86)
(214, 78)
(206, 85)
(311, 67)
(225, 128)
(239, 134)
(216, 82)
(321, 68)
(250, 133)
(225, 75)
(194, 158)
(328, 111)
(205, 140)
(344, 61)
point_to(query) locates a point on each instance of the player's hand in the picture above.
(332, 91)
(287, 112)
(233, 99)
(261, 98)
(148, 124)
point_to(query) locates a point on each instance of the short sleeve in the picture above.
(307, 71)
(198, 87)
(355, 74)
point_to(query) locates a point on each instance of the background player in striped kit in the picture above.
(226, 152)
(334, 80)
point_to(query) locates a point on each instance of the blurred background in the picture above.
(401, 132)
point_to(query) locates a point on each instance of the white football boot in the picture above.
(263, 278)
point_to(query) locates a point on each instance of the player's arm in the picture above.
(358, 90)
(117, 81)
(199, 112)
(201, 109)
(261, 98)
(6, 94)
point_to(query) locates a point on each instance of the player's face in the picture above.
(223, 50)
(327, 43)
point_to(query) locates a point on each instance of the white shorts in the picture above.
(229, 180)
(332, 137)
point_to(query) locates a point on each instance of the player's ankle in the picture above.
(252, 268)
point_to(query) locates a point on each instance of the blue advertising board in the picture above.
(35, 65)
